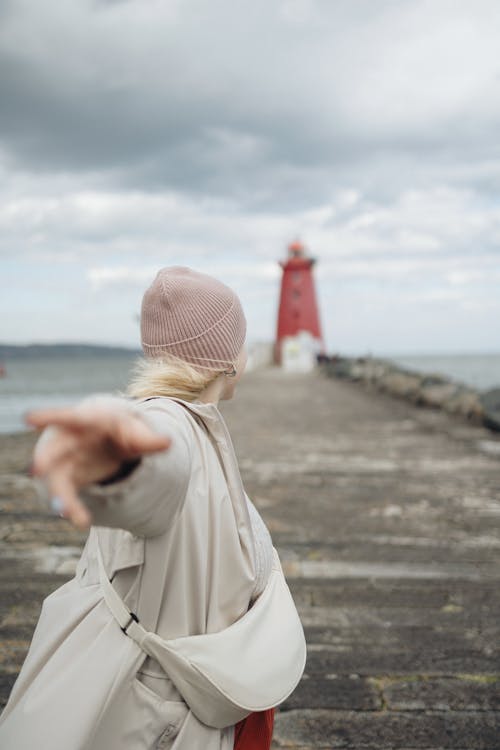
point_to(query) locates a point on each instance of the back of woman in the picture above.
(171, 554)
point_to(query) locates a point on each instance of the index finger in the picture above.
(63, 416)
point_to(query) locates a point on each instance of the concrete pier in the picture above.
(387, 520)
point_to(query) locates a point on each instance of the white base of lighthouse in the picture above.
(299, 353)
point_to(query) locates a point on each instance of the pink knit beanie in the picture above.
(194, 317)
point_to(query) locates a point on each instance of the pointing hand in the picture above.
(84, 444)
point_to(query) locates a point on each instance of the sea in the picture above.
(58, 379)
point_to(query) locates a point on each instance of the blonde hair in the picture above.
(168, 376)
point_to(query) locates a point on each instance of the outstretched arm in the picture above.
(86, 444)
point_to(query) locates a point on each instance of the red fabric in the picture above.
(255, 732)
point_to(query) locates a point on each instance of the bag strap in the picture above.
(127, 620)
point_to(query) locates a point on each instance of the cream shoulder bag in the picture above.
(252, 665)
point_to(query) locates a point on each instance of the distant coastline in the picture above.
(28, 351)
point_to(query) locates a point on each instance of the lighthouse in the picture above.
(298, 337)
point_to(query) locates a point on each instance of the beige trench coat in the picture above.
(177, 542)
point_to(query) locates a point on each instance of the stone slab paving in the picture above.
(387, 519)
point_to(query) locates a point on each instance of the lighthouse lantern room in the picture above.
(298, 338)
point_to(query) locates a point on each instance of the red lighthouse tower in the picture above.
(298, 312)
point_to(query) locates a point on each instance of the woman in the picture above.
(175, 549)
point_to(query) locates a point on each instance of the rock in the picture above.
(467, 403)
(490, 401)
(341, 368)
(433, 378)
(436, 395)
(401, 384)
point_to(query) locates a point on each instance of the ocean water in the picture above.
(44, 380)
(37, 382)
(480, 371)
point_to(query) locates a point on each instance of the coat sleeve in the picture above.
(147, 501)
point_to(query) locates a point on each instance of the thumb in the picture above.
(137, 438)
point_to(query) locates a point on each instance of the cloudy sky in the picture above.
(145, 133)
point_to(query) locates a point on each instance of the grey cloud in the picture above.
(136, 91)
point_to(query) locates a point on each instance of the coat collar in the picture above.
(212, 419)
(208, 412)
